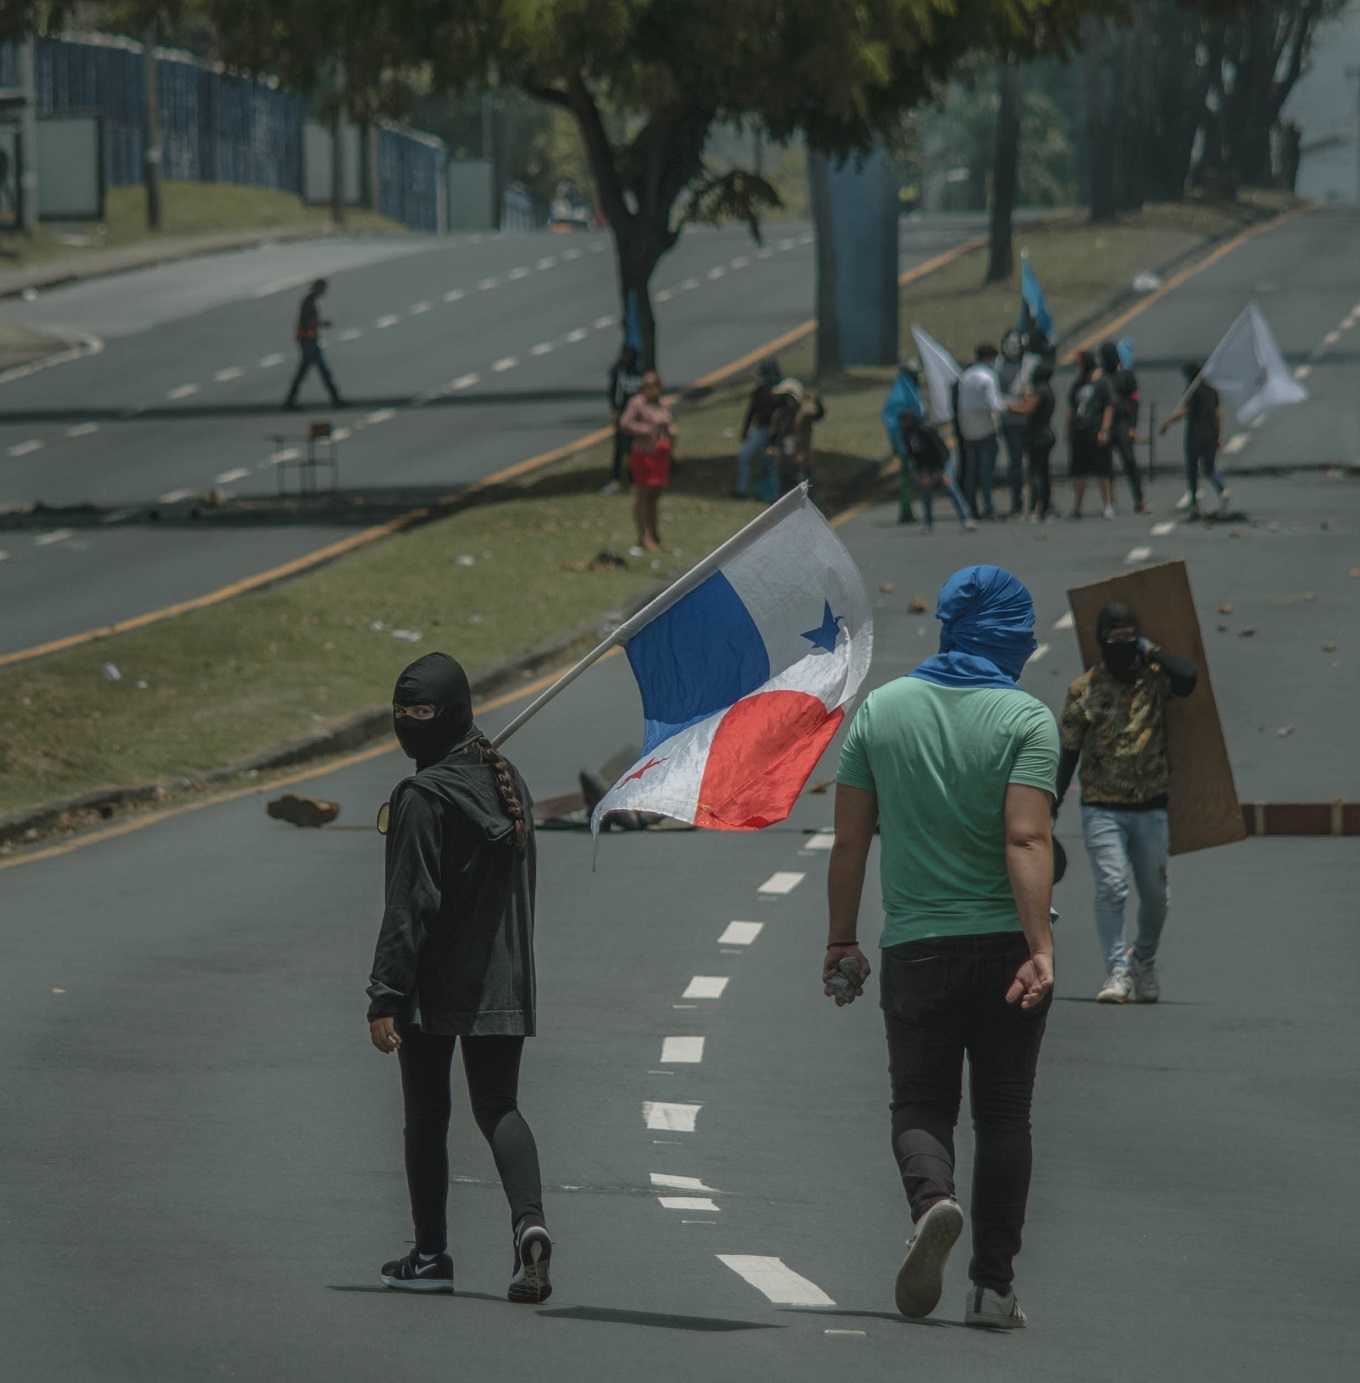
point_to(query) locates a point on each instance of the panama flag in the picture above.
(746, 666)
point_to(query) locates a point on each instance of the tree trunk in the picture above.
(1098, 141)
(828, 329)
(338, 146)
(1005, 174)
(639, 249)
(152, 150)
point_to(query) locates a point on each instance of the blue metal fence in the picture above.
(216, 127)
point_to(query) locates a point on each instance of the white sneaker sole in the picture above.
(531, 1285)
(1015, 1321)
(1111, 996)
(416, 1284)
(920, 1279)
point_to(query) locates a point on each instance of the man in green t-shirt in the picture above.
(955, 767)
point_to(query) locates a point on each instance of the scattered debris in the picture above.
(1225, 609)
(1310, 595)
(887, 588)
(818, 788)
(917, 606)
(111, 672)
(1246, 632)
(1355, 571)
(214, 499)
(474, 619)
(1329, 648)
(636, 551)
(303, 811)
(1146, 282)
(1326, 525)
(1222, 628)
(143, 685)
(1285, 730)
(377, 626)
(407, 635)
(29, 295)
(602, 561)
(466, 560)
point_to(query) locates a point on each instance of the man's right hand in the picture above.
(1033, 981)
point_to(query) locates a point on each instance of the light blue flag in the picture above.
(1035, 305)
(902, 397)
(1125, 349)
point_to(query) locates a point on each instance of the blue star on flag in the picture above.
(824, 636)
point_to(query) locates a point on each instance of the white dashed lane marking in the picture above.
(382, 323)
(183, 392)
(1331, 338)
(675, 1118)
(351, 333)
(230, 373)
(418, 309)
(1302, 372)
(601, 323)
(823, 840)
(1041, 651)
(26, 448)
(1159, 530)
(1235, 443)
(548, 263)
(239, 473)
(706, 987)
(542, 348)
(57, 535)
(740, 262)
(689, 1203)
(579, 334)
(82, 429)
(675, 1050)
(783, 881)
(465, 381)
(268, 362)
(717, 271)
(1064, 620)
(173, 496)
(505, 363)
(520, 273)
(488, 284)
(1136, 555)
(740, 933)
(381, 415)
(664, 296)
(688, 285)
(776, 1280)
(454, 294)
(678, 1183)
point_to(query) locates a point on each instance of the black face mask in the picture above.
(1123, 658)
(439, 681)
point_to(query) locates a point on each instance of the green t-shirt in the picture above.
(940, 759)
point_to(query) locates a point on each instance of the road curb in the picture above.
(1338, 818)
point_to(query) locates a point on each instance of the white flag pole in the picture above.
(672, 595)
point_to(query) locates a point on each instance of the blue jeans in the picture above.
(979, 466)
(951, 488)
(751, 449)
(1117, 841)
(1200, 460)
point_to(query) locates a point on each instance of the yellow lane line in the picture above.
(360, 756)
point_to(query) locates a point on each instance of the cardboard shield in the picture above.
(1203, 810)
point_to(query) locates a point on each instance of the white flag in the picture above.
(1247, 366)
(941, 374)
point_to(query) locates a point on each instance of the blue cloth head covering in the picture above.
(988, 630)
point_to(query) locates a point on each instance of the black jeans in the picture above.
(943, 998)
(1122, 445)
(1040, 478)
(491, 1065)
(309, 353)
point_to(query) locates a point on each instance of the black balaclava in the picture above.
(439, 681)
(1122, 659)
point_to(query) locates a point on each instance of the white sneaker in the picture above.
(1117, 987)
(1143, 973)
(920, 1279)
(986, 1307)
(1109, 511)
(1223, 500)
(611, 487)
(1187, 500)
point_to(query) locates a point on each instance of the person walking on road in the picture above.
(308, 337)
(1124, 422)
(955, 766)
(454, 964)
(1014, 426)
(1090, 421)
(755, 424)
(1040, 441)
(648, 422)
(1203, 414)
(1114, 724)
(625, 383)
(931, 462)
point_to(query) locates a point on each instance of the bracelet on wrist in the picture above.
(837, 945)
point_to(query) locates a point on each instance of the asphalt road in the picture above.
(458, 356)
(200, 1170)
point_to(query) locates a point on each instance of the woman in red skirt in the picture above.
(649, 423)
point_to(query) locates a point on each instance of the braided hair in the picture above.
(505, 787)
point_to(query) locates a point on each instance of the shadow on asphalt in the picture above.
(895, 1317)
(657, 1319)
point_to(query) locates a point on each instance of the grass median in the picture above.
(210, 688)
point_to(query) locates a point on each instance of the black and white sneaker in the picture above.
(417, 1273)
(533, 1253)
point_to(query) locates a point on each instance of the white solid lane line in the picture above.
(82, 429)
(678, 1183)
(740, 933)
(579, 334)
(57, 535)
(173, 496)
(231, 372)
(454, 294)
(1160, 530)
(465, 381)
(382, 323)
(507, 362)
(782, 881)
(381, 415)
(1064, 620)
(1235, 443)
(417, 309)
(688, 1203)
(268, 362)
(542, 348)
(183, 392)
(239, 473)
(602, 322)
(675, 1050)
(1302, 372)
(676, 1118)
(780, 1283)
(823, 840)
(1040, 652)
(26, 448)
(1136, 555)
(706, 987)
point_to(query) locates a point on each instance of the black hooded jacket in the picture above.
(455, 951)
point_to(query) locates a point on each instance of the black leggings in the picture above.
(1040, 479)
(1123, 449)
(491, 1065)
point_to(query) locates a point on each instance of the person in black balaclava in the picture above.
(1114, 724)
(1124, 424)
(455, 963)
